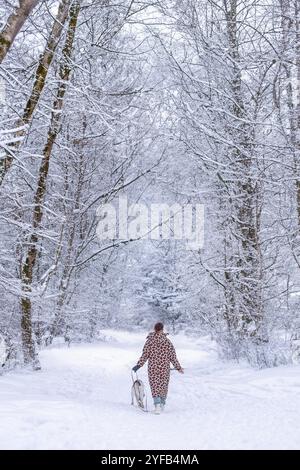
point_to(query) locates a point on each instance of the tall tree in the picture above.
(41, 73)
(14, 24)
(29, 351)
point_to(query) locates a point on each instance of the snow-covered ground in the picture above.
(81, 400)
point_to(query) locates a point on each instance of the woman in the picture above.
(159, 351)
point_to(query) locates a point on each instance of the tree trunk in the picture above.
(39, 83)
(297, 112)
(14, 24)
(290, 24)
(243, 280)
(31, 257)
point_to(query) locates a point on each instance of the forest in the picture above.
(163, 102)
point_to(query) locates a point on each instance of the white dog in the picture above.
(138, 393)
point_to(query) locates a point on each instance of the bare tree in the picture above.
(39, 83)
(32, 253)
(14, 24)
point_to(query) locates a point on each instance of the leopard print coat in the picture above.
(159, 351)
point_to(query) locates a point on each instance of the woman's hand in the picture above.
(181, 370)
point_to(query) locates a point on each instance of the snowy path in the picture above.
(81, 400)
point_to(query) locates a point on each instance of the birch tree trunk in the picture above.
(14, 24)
(39, 84)
(32, 253)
